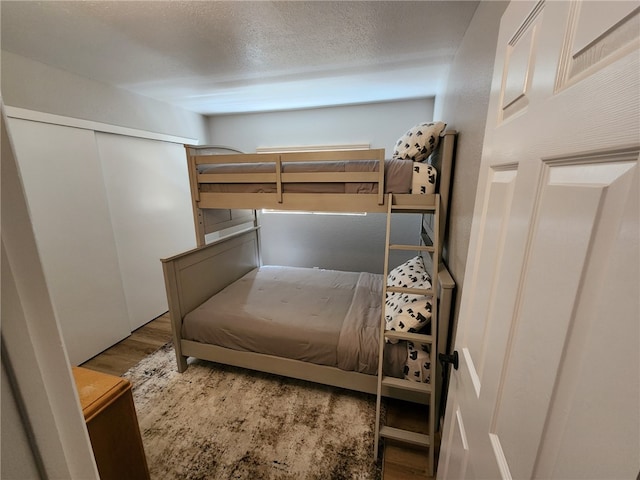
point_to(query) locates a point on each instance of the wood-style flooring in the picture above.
(127, 353)
(400, 462)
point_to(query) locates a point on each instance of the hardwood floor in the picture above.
(127, 353)
(400, 462)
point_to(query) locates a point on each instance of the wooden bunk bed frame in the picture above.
(206, 205)
(194, 276)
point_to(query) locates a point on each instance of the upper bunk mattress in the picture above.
(398, 177)
(320, 316)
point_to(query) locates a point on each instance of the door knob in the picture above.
(452, 359)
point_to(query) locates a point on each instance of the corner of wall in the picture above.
(35, 86)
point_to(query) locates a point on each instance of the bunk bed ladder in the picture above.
(429, 245)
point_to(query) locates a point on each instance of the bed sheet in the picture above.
(326, 317)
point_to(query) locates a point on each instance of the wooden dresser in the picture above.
(107, 405)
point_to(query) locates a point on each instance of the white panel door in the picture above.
(148, 190)
(70, 215)
(548, 384)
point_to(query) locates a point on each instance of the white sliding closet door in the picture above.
(67, 200)
(148, 190)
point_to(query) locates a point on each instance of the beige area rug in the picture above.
(219, 422)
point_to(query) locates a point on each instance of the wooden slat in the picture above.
(314, 148)
(381, 173)
(236, 178)
(321, 202)
(411, 291)
(332, 155)
(443, 161)
(295, 369)
(413, 248)
(406, 384)
(216, 159)
(381, 339)
(195, 198)
(405, 436)
(414, 337)
(279, 190)
(335, 177)
(406, 202)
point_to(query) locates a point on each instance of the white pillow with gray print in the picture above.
(406, 312)
(418, 366)
(419, 142)
(424, 177)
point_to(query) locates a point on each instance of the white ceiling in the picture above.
(244, 56)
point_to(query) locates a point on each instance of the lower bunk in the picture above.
(310, 324)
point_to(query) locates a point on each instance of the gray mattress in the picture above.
(320, 316)
(398, 176)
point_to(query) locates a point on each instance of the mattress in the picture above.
(398, 177)
(320, 316)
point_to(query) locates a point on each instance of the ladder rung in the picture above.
(412, 209)
(403, 384)
(420, 338)
(415, 248)
(414, 203)
(406, 436)
(413, 291)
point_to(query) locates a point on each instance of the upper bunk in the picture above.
(331, 181)
(324, 180)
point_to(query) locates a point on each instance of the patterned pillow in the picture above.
(418, 366)
(423, 179)
(403, 311)
(406, 274)
(419, 142)
(413, 315)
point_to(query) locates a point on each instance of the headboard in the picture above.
(194, 276)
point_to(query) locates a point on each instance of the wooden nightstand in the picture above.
(107, 405)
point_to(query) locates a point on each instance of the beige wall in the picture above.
(353, 243)
(463, 106)
(377, 124)
(35, 86)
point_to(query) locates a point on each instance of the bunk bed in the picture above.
(227, 188)
(334, 181)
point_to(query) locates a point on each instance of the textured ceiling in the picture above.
(240, 56)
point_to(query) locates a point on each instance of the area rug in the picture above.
(219, 422)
